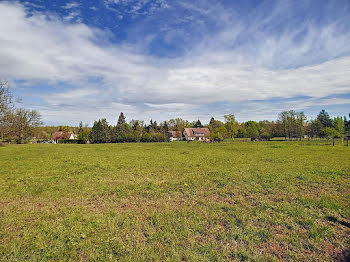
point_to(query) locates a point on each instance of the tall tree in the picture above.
(107, 130)
(165, 127)
(120, 131)
(178, 124)
(300, 118)
(231, 125)
(121, 119)
(97, 134)
(197, 124)
(252, 128)
(325, 119)
(293, 123)
(314, 128)
(338, 123)
(82, 133)
(213, 124)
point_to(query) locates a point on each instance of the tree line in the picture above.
(291, 125)
(20, 124)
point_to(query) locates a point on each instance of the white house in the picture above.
(201, 134)
(60, 135)
(174, 135)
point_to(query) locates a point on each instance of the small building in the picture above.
(174, 135)
(201, 134)
(60, 135)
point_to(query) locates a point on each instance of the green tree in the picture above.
(165, 127)
(216, 136)
(82, 133)
(231, 125)
(213, 124)
(146, 137)
(121, 119)
(97, 134)
(331, 132)
(197, 124)
(242, 132)
(325, 119)
(178, 124)
(252, 129)
(107, 130)
(120, 131)
(223, 132)
(338, 124)
(314, 128)
(293, 123)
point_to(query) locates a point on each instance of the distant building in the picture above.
(60, 135)
(174, 135)
(201, 134)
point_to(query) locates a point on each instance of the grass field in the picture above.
(256, 201)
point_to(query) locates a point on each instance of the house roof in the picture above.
(176, 134)
(61, 135)
(197, 132)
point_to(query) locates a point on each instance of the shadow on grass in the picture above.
(336, 220)
(344, 257)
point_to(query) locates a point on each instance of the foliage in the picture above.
(216, 136)
(213, 124)
(338, 124)
(314, 128)
(22, 122)
(252, 128)
(71, 141)
(293, 123)
(331, 132)
(83, 133)
(97, 133)
(178, 124)
(197, 124)
(231, 125)
(325, 119)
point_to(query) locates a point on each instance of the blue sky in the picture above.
(160, 59)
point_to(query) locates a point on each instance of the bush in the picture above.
(146, 137)
(159, 137)
(265, 135)
(71, 141)
(216, 137)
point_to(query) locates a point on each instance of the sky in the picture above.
(160, 59)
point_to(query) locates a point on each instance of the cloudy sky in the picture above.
(161, 59)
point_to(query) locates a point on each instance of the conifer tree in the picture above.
(121, 119)
(97, 134)
(120, 131)
(198, 124)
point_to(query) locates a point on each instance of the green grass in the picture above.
(256, 201)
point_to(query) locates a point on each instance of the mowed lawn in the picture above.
(255, 201)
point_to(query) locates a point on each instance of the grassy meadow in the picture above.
(254, 201)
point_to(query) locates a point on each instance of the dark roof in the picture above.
(61, 135)
(197, 132)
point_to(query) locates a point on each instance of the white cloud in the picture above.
(37, 49)
(71, 5)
